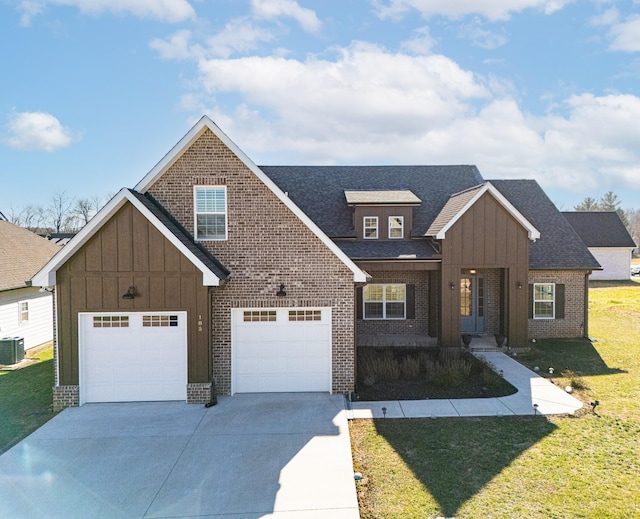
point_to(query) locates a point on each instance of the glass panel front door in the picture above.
(472, 303)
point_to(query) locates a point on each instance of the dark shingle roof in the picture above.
(319, 190)
(22, 254)
(454, 205)
(179, 232)
(600, 229)
(559, 246)
(399, 249)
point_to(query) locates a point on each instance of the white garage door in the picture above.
(281, 350)
(128, 357)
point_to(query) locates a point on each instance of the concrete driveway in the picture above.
(273, 455)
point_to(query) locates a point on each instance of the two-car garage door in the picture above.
(138, 356)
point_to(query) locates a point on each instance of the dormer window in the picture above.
(396, 227)
(370, 224)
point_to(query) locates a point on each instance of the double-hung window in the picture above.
(384, 301)
(23, 309)
(210, 212)
(370, 225)
(544, 300)
(396, 227)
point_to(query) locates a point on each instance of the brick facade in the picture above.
(198, 393)
(65, 396)
(573, 324)
(267, 245)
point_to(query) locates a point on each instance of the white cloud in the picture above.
(625, 35)
(491, 9)
(178, 46)
(422, 43)
(481, 37)
(164, 10)
(238, 35)
(38, 131)
(270, 9)
(370, 105)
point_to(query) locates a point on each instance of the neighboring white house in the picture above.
(607, 239)
(25, 311)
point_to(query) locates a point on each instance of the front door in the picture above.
(472, 303)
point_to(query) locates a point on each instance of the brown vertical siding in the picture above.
(128, 251)
(486, 237)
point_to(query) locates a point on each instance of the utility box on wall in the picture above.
(11, 350)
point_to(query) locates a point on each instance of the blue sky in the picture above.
(95, 92)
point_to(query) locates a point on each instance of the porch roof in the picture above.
(396, 250)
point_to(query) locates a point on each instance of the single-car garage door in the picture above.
(281, 350)
(128, 357)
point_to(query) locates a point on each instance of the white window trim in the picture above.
(195, 213)
(365, 227)
(552, 301)
(20, 319)
(384, 303)
(401, 218)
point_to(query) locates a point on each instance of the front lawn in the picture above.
(515, 467)
(26, 399)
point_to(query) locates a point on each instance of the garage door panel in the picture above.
(133, 362)
(281, 355)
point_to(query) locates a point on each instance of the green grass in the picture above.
(26, 399)
(584, 466)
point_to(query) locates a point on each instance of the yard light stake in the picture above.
(535, 409)
(384, 412)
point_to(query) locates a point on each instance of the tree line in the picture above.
(63, 214)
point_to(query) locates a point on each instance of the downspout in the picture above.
(586, 304)
(214, 397)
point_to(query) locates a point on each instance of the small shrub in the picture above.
(575, 381)
(410, 367)
(376, 365)
(450, 371)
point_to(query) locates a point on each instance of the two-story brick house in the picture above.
(264, 279)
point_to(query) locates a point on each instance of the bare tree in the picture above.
(634, 225)
(60, 211)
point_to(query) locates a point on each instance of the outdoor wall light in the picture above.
(130, 294)
(281, 292)
(519, 285)
(452, 285)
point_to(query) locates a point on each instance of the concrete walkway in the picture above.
(532, 390)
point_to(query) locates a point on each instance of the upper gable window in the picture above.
(370, 225)
(211, 212)
(396, 227)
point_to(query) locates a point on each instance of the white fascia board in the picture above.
(193, 134)
(47, 275)
(532, 233)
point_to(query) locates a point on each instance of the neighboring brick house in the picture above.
(25, 311)
(607, 239)
(264, 279)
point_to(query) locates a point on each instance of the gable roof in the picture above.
(22, 254)
(212, 271)
(460, 203)
(206, 124)
(319, 190)
(559, 246)
(600, 229)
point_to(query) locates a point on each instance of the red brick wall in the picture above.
(267, 245)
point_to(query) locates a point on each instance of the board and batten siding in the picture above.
(486, 237)
(129, 251)
(38, 329)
